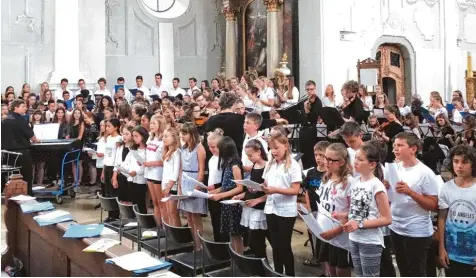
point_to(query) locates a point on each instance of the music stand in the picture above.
(331, 118)
(426, 115)
(426, 131)
(295, 116)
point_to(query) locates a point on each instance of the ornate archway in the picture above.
(408, 56)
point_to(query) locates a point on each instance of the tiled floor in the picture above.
(83, 212)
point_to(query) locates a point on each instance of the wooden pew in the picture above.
(44, 251)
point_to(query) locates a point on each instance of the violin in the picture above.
(383, 126)
(202, 119)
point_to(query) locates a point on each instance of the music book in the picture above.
(31, 207)
(139, 158)
(82, 231)
(101, 245)
(323, 211)
(46, 131)
(139, 262)
(53, 217)
(393, 177)
(133, 92)
(378, 112)
(191, 194)
(117, 87)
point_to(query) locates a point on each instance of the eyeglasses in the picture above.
(331, 161)
(310, 89)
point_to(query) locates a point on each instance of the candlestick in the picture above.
(469, 72)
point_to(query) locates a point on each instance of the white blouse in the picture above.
(154, 153)
(110, 150)
(214, 174)
(277, 176)
(293, 101)
(171, 170)
(326, 102)
(133, 164)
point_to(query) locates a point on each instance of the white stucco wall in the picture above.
(349, 29)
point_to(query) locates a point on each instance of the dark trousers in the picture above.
(137, 195)
(110, 191)
(103, 186)
(26, 170)
(257, 242)
(386, 263)
(307, 140)
(457, 269)
(411, 254)
(215, 214)
(280, 233)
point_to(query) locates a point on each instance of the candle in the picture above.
(469, 73)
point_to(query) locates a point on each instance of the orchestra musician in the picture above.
(388, 130)
(353, 108)
(16, 137)
(308, 131)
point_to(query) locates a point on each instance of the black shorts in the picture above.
(335, 256)
(154, 181)
(458, 269)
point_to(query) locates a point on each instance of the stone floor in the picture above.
(83, 212)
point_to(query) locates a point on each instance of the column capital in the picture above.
(273, 5)
(229, 13)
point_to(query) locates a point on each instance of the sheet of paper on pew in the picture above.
(108, 232)
(139, 262)
(191, 194)
(53, 217)
(149, 234)
(197, 183)
(22, 198)
(82, 231)
(101, 245)
(31, 207)
(38, 187)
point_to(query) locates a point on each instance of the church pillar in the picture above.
(230, 50)
(66, 54)
(272, 49)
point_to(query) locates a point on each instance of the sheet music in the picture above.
(233, 202)
(139, 158)
(175, 198)
(46, 131)
(323, 211)
(341, 241)
(135, 261)
(198, 194)
(393, 177)
(22, 198)
(250, 184)
(199, 184)
(379, 113)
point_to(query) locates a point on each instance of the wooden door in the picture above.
(393, 67)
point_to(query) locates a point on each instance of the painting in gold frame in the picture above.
(254, 32)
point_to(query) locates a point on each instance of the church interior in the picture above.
(406, 48)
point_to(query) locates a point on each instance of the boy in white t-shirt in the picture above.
(457, 215)
(411, 226)
(251, 126)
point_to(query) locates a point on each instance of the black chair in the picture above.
(126, 215)
(216, 251)
(245, 266)
(190, 262)
(156, 244)
(109, 204)
(269, 271)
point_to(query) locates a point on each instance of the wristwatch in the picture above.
(360, 224)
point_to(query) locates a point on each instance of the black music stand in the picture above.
(331, 118)
(295, 116)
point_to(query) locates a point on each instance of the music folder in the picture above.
(117, 87)
(133, 92)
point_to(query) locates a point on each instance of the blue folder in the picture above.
(31, 207)
(117, 87)
(450, 107)
(426, 114)
(82, 231)
(52, 221)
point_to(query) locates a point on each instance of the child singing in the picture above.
(171, 158)
(369, 210)
(119, 180)
(136, 167)
(456, 220)
(282, 177)
(193, 165)
(333, 194)
(230, 164)
(253, 217)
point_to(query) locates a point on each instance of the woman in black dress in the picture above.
(76, 131)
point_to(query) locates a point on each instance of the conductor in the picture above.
(16, 137)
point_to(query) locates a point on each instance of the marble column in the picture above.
(230, 37)
(66, 55)
(272, 49)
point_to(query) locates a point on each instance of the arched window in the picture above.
(159, 6)
(166, 8)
